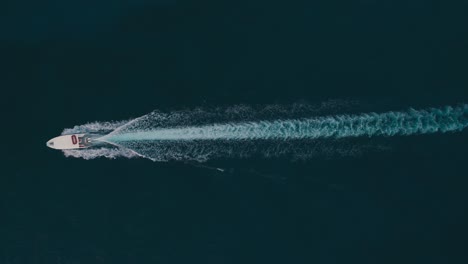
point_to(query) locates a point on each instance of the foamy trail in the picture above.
(168, 137)
(386, 124)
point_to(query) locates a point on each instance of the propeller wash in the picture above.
(241, 132)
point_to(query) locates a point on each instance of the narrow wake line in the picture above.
(202, 135)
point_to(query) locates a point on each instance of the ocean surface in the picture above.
(383, 199)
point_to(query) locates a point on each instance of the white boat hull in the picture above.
(73, 141)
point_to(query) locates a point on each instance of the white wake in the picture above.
(168, 137)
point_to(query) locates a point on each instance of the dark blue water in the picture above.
(400, 200)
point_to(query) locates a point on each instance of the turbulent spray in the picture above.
(162, 137)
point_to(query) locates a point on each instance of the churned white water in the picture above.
(162, 137)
